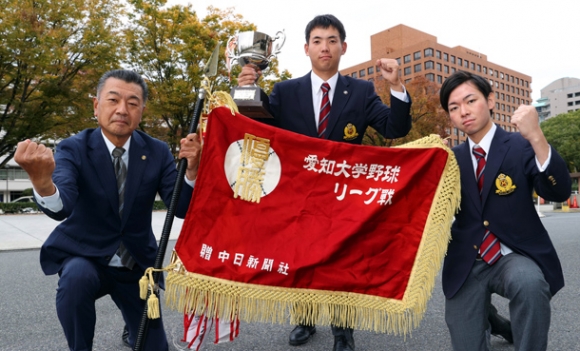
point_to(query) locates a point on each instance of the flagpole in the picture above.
(209, 70)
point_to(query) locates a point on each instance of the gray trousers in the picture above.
(514, 277)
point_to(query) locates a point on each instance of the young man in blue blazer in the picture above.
(499, 244)
(295, 105)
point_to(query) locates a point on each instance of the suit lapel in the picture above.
(304, 98)
(138, 157)
(497, 151)
(340, 98)
(468, 182)
(102, 164)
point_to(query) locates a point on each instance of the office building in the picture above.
(560, 96)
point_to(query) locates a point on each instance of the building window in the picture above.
(438, 67)
(371, 70)
(491, 83)
(453, 70)
(452, 59)
(478, 68)
(398, 60)
(407, 81)
(407, 58)
(517, 81)
(438, 54)
(362, 73)
(570, 95)
(445, 57)
(577, 102)
(371, 79)
(491, 72)
(459, 62)
(502, 86)
(446, 69)
(417, 55)
(501, 74)
(430, 76)
(353, 74)
(417, 68)
(484, 70)
(577, 94)
(570, 103)
(428, 52)
(429, 65)
(507, 77)
(473, 66)
(439, 79)
(407, 71)
(466, 64)
(455, 131)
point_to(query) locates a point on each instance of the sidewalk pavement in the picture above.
(29, 231)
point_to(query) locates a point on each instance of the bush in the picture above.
(159, 205)
(16, 207)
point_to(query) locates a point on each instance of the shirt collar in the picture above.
(112, 146)
(485, 142)
(317, 82)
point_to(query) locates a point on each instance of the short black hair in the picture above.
(325, 21)
(126, 76)
(458, 78)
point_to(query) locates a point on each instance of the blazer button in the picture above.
(485, 223)
(475, 247)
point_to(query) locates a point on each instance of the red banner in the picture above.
(277, 209)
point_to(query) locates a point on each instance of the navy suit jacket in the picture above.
(513, 217)
(85, 178)
(355, 102)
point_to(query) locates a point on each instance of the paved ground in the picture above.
(29, 319)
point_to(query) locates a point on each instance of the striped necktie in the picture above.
(324, 110)
(490, 249)
(121, 174)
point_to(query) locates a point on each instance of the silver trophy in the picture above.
(252, 48)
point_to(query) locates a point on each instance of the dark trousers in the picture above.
(81, 283)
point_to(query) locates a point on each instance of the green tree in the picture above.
(51, 56)
(426, 113)
(169, 47)
(563, 133)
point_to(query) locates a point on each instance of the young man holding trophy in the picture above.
(327, 105)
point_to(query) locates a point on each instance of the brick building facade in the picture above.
(419, 53)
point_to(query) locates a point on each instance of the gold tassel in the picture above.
(153, 307)
(143, 286)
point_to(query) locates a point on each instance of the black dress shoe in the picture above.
(501, 327)
(301, 334)
(343, 343)
(125, 337)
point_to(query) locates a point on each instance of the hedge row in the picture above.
(16, 207)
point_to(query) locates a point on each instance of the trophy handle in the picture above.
(279, 35)
(230, 54)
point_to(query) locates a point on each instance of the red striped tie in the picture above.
(324, 111)
(490, 249)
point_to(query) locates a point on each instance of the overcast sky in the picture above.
(533, 37)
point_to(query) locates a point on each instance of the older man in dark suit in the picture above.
(102, 184)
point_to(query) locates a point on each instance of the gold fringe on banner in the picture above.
(195, 293)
